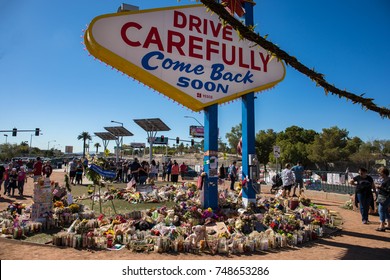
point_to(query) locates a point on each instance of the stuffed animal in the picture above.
(198, 234)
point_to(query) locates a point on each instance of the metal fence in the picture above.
(332, 188)
(324, 184)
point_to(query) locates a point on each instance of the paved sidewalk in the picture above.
(356, 241)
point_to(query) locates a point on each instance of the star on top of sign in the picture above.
(235, 6)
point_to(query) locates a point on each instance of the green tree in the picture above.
(330, 146)
(97, 146)
(222, 147)
(365, 156)
(84, 136)
(381, 146)
(264, 142)
(294, 144)
(233, 137)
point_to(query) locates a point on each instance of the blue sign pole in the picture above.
(248, 128)
(209, 193)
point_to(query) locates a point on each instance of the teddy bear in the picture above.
(198, 234)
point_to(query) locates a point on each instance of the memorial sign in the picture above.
(185, 53)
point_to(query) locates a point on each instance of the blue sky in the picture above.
(49, 81)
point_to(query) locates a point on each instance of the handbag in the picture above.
(381, 198)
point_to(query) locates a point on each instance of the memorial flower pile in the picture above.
(186, 227)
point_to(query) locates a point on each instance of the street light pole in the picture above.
(195, 120)
(117, 144)
(48, 143)
(117, 122)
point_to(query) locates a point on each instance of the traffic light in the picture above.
(192, 142)
(177, 140)
(37, 132)
(14, 132)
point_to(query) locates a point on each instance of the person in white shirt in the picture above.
(288, 179)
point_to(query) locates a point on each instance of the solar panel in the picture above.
(118, 131)
(105, 135)
(152, 124)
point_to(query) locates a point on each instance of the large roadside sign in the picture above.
(185, 53)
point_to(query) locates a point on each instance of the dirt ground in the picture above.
(355, 241)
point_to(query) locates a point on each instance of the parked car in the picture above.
(190, 173)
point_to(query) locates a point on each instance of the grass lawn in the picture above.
(121, 206)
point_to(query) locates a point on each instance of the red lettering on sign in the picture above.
(196, 46)
(153, 38)
(202, 26)
(209, 48)
(253, 62)
(225, 56)
(177, 44)
(193, 47)
(124, 35)
(265, 61)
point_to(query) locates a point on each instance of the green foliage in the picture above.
(294, 144)
(264, 142)
(234, 136)
(84, 136)
(332, 145)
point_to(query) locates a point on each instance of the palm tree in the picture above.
(85, 136)
(97, 146)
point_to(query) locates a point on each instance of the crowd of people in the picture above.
(140, 172)
(368, 193)
(13, 175)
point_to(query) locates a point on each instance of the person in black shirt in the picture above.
(134, 169)
(363, 192)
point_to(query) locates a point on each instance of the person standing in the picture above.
(153, 173)
(72, 171)
(143, 172)
(125, 168)
(222, 173)
(6, 179)
(37, 169)
(175, 170)
(288, 179)
(383, 200)
(232, 175)
(2, 171)
(134, 170)
(30, 166)
(298, 172)
(363, 192)
(164, 171)
(13, 179)
(183, 170)
(22, 178)
(169, 170)
(79, 172)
